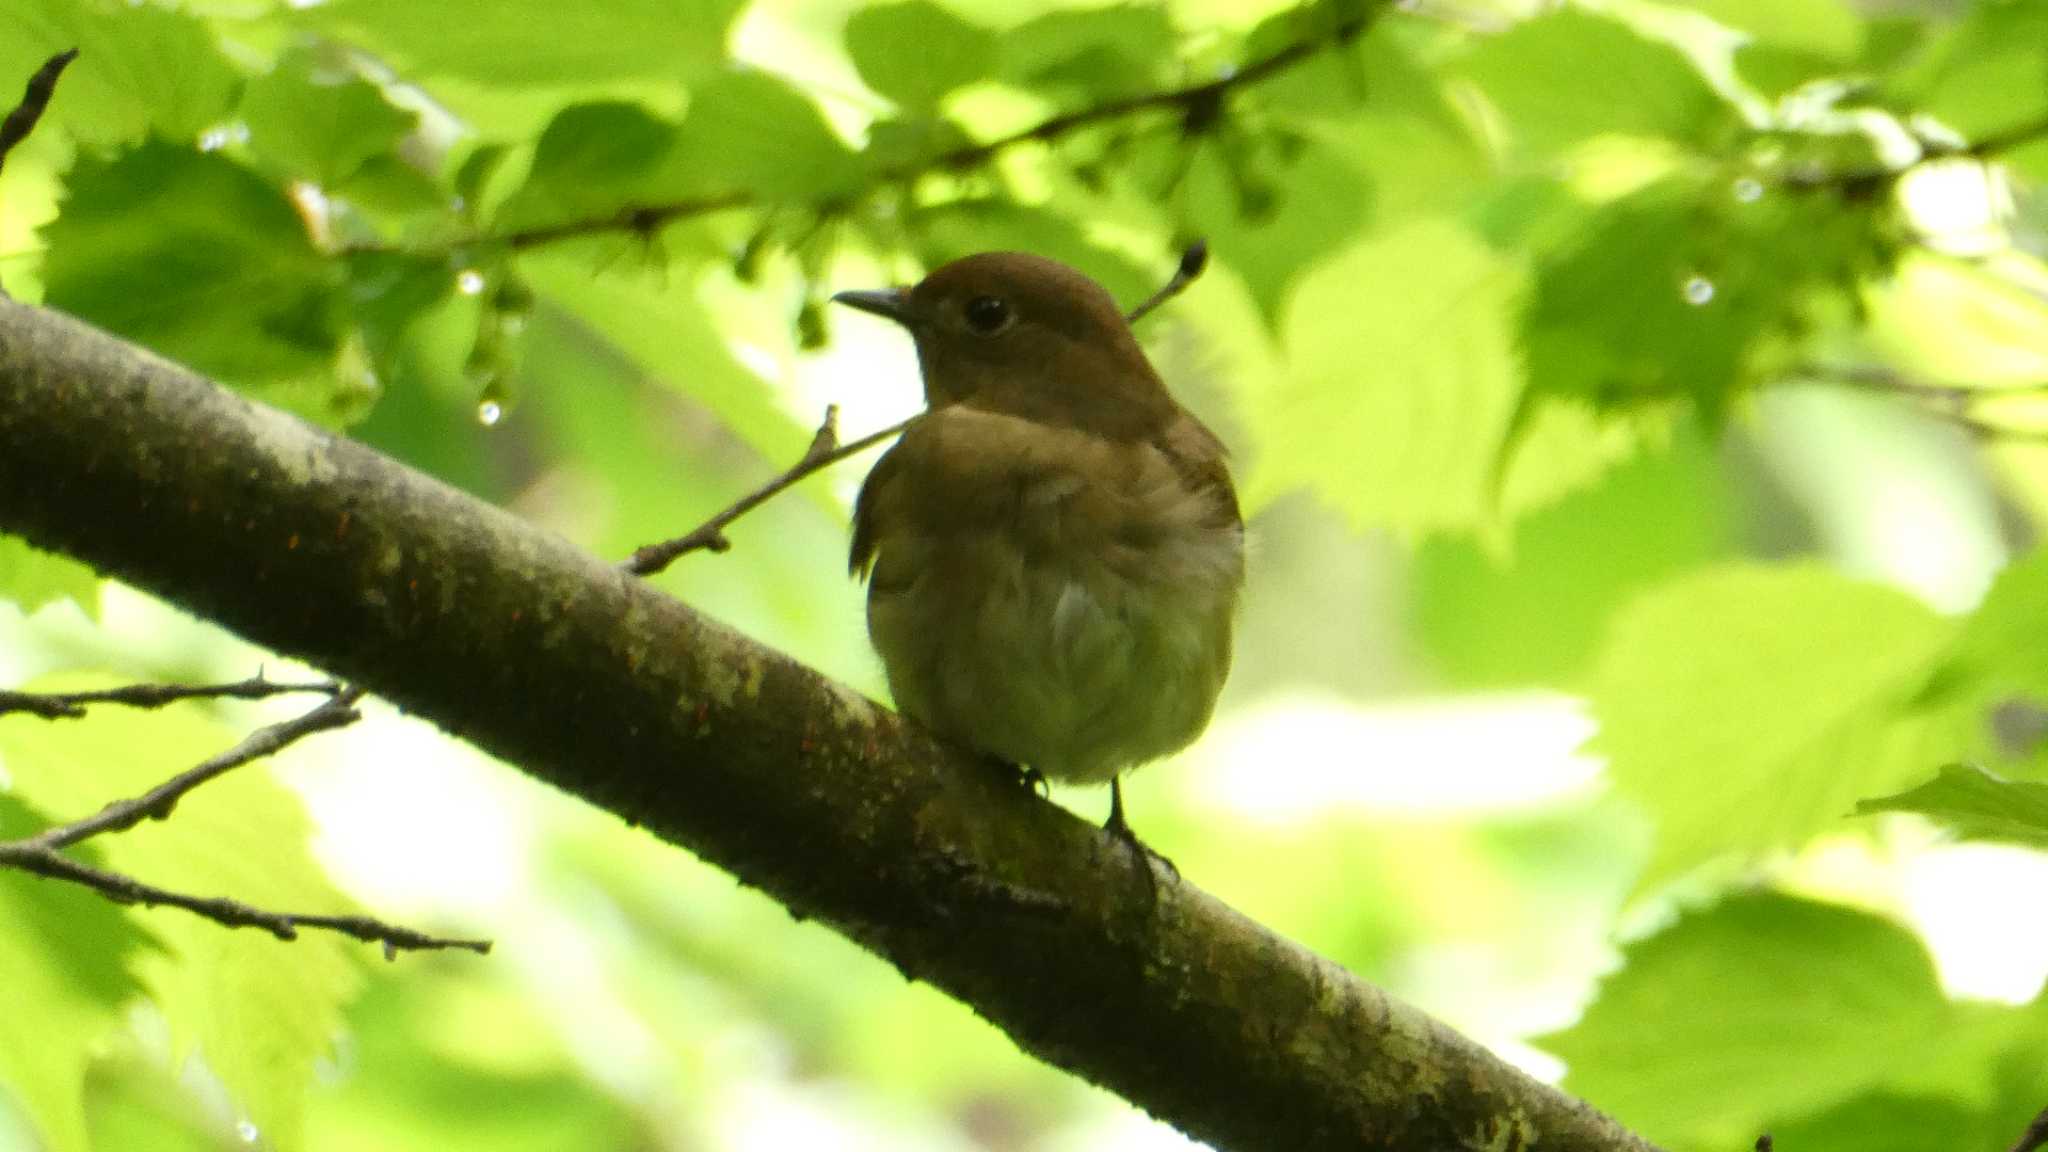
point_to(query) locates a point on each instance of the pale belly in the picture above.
(1074, 668)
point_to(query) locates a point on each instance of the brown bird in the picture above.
(1054, 550)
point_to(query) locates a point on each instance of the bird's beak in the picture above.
(891, 303)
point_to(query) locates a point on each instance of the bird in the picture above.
(1053, 549)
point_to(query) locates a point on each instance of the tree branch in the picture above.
(511, 638)
(40, 854)
(1199, 105)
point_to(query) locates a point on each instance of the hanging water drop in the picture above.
(489, 413)
(469, 282)
(1749, 190)
(245, 1130)
(1698, 290)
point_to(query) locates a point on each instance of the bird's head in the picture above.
(1023, 334)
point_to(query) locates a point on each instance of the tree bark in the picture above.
(511, 638)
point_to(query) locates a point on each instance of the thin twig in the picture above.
(225, 912)
(40, 854)
(2035, 1137)
(1192, 262)
(1861, 183)
(34, 99)
(709, 536)
(1199, 105)
(825, 449)
(1948, 402)
(58, 705)
(156, 804)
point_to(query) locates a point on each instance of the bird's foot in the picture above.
(1120, 828)
(1030, 778)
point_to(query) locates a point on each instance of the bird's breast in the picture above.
(1056, 600)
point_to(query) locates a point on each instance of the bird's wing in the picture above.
(879, 498)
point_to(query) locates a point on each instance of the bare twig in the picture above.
(230, 913)
(1192, 262)
(156, 804)
(1949, 402)
(1199, 106)
(825, 449)
(1864, 182)
(58, 705)
(41, 854)
(34, 99)
(2035, 1137)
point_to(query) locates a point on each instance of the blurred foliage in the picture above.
(1504, 300)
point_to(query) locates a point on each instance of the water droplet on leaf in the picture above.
(469, 282)
(489, 413)
(1698, 290)
(1748, 190)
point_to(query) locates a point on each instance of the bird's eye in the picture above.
(988, 315)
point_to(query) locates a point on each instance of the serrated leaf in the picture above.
(754, 132)
(1535, 612)
(1106, 52)
(1403, 381)
(141, 69)
(663, 327)
(316, 124)
(1270, 217)
(1828, 28)
(1536, 74)
(1747, 708)
(1681, 288)
(526, 43)
(1762, 1007)
(1987, 74)
(31, 578)
(260, 1010)
(1976, 804)
(197, 258)
(592, 160)
(67, 959)
(916, 52)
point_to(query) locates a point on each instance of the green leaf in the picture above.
(32, 578)
(1270, 217)
(1092, 53)
(754, 132)
(1760, 1008)
(659, 323)
(1536, 74)
(261, 1010)
(199, 259)
(916, 52)
(592, 160)
(1403, 381)
(1977, 804)
(319, 124)
(1987, 74)
(1747, 708)
(1683, 288)
(1535, 612)
(1827, 28)
(530, 43)
(67, 957)
(141, 69)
